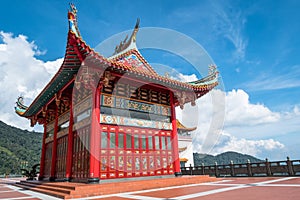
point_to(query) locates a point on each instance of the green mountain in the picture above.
(18, 149)
(223, 158)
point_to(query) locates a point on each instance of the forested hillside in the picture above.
(18, 148)
(223, 158)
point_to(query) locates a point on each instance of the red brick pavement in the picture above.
(258, 188)
(172, 193)
(256, 193)
(9, 192)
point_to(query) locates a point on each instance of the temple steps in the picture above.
(68, 190)
(56, 192)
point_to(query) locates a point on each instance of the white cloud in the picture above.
(296, 110)
(275, 81)
(227, 142)
(185, 78)
(228, 121)
(53, 66)
(229, 23)
(21, 73)
(239, 111)
(165, 70)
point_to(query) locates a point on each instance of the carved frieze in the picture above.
(123, 103)
(82, 123)
(83, 105)
(63, 118)
(126, 121)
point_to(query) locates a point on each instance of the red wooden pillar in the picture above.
(174, 137)
(54, 144)
(94, 175)
(70, 145)
(42, 162)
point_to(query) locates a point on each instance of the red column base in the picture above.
(177, 174)
(67, 179)
(93, 180)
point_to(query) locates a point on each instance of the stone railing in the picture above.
(276, 168)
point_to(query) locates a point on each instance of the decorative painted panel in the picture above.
(117, 102)
(133, 61)
(121, 161)
(126, 121)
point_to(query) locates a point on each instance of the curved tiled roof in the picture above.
(77, 52)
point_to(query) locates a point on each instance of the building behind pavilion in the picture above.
(185, 145)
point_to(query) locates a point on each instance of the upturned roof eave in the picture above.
(59, 75)
(48, 92)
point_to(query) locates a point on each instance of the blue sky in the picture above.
(255, 45)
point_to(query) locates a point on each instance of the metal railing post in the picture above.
(231, 168)
(268, 169)
(216, 169)
(249, 168)
(290, 166)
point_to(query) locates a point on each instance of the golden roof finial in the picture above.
(126, 43)
(136, 29)
(72, 17)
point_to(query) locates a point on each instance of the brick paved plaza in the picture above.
(275, 188)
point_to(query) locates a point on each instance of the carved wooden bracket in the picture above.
(106, 78)
(181, 96)
(57, 98)
(194, 98)
(44, 111)
(33, 121)
(66, 101)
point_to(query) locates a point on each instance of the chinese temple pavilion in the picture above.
(109, 117)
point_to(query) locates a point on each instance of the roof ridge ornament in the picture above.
(72, 17)
(136, 29)
(132, 40)
(212, 69)
(20, 107)
(212, 76)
